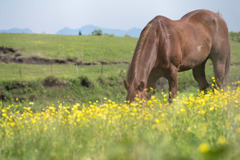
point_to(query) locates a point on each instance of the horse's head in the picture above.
(135, 89)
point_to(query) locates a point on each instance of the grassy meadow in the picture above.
(201, 127)
(84, 48)
(74, 121)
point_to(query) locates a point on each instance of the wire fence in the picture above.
(24, 72)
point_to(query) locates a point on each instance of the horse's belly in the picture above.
(192, 61)
(184, 68)
(194, 56)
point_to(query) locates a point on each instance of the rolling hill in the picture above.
(87, 30)
(16, 30)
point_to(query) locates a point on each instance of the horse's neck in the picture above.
(145, 54)
(144, 65)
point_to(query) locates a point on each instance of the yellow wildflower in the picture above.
(204, 147)
(182, 110)
(12, 124)
(163, 115)
(202, 112)
(222, 140)
(238, 117)
(238, 130)
(157, 121)
(4, 114)
(211, 108)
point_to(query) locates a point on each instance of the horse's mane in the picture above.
(140, 45)
(218, 12)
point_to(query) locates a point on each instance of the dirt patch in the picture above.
(85, 82)
(7, 50)
(101, 81)
(16, 85)
(13, 87)
(11, 55)
(53, 82)
(3, 97)
(38, 60)
(235, 63)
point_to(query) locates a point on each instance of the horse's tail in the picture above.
(227, 65)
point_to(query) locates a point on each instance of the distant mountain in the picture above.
(88, 29)
(16, 30)
(85, 30)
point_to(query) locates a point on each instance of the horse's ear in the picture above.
(126, 84)
(141, 86)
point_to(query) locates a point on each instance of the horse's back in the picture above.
(210, 36)
(204, 34)
(209, 21)
(217, 29)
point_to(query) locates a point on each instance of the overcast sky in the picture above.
(49, 16)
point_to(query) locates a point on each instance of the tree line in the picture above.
(96, 32)
(99, 32)
(234, 36)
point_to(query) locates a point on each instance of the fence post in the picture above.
(102, 68)
(20, 72)
(77, 69)
(52, 68)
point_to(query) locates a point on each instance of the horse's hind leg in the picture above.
(219, 72)
(173, 82)
(199, 75)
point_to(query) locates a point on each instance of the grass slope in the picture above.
(84, 48)
(77, 122)
(56, 46)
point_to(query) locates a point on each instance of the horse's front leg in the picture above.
(151, 89)
(153, 77)
(173, 82)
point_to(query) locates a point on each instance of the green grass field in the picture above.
(25, 72)
(122, 46)
(85, 48)
(94, 123)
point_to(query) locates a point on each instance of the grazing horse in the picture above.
(166, 47)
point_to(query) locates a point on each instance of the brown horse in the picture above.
(166, 47)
